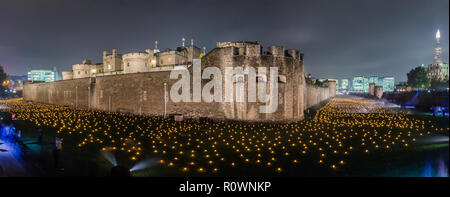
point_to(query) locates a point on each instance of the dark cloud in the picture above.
(339, 38)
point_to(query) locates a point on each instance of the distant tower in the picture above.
(156, 50)
(182, 41)
(438, 49)
(204, 49)
(192, 42)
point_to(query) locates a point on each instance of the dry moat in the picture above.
(348, 136)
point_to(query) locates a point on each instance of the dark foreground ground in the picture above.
(346, 137)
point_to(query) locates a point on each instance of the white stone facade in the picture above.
(136, 62)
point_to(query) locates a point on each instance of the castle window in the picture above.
(109, 66)
(128, 64)
(261, 79)
(235, 51)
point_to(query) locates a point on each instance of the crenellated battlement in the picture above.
(135, 81)
(114, 53)
(81, 66)
(276, 51)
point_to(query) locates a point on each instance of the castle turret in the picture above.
(276, 51)
(293, 53)
(136, 62)
(193, 52)
(112, 62)
(81, 70)
(379, 92)
(85, 69)
(105, 53)
(372, 89)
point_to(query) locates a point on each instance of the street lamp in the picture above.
(76, 96)
(89, 97)
(165, 100)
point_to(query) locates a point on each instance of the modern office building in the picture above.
(388, 84)
(344, 85)
(375, 79)
(361, 84)
(43, 75)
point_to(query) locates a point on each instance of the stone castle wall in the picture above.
(315, 94)
(290, 99)
(138, 93)
(143, 93)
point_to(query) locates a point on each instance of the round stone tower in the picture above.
(293, 53)
(136, 62)
(379, 92)
(372, 89)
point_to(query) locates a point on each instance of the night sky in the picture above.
(339, 38)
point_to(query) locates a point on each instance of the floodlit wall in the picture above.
(316, 94)
(143, 93)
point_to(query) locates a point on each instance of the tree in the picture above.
(417, 78)
(3, 75)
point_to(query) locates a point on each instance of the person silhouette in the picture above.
(39, 136)
(57, 152)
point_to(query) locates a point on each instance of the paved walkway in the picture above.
(9, 165)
